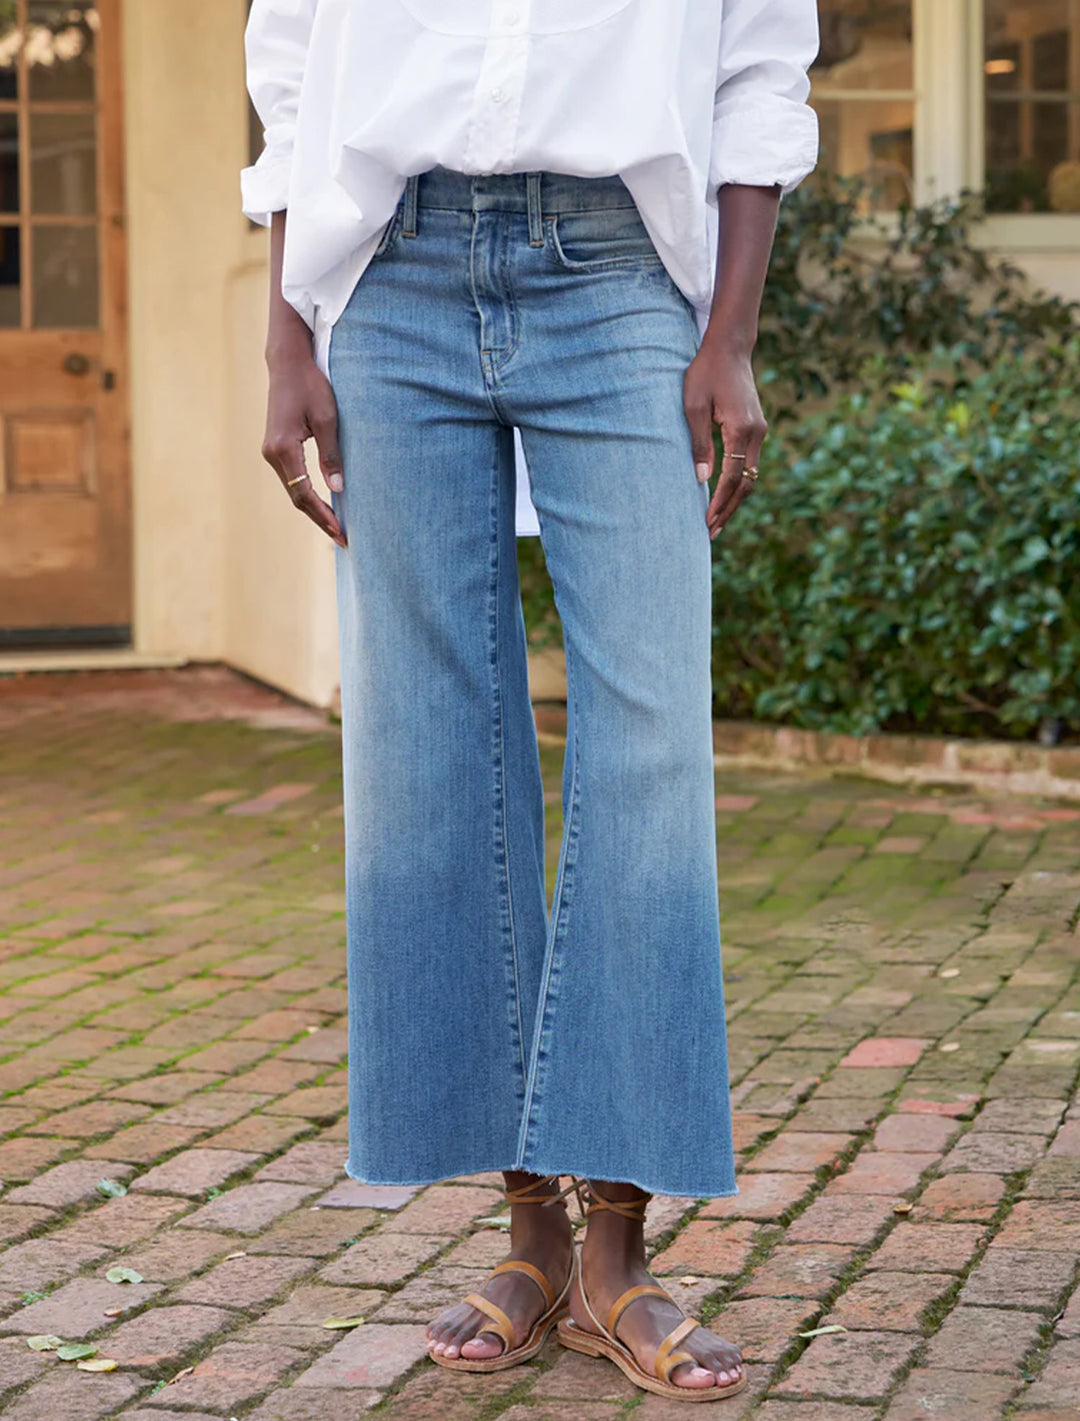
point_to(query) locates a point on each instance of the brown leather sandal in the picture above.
(605, 1343)
(500, 1324)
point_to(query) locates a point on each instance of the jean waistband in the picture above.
(533, 192)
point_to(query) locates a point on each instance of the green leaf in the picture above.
(111, 1188)
(335, 1324)
(73, 1351)
(123, 1275)
(98, 1364)
(44, 1342)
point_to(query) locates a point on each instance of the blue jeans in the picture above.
(485, 1032)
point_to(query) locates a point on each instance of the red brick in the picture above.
(915, 1134)
(244, 1282)
(861, 1366)
(274, 1076)
(18, 1221)
(308, 1307)
(928, 1248)
(846, 1114)
(375, 1355)
(320, 1162)
(165, 1335)
(1042, 1224)
(264, 1134)
(993, 1153)
(248, 1208)
(1067, 1141)
(63, 1392)
(889, 1302)
(747, 1129)
(763, 1328)
(1069, 1324)
(799, 1270)
(718, 1250)
(27, 1157)
(99, 1117)
(314, 1232)
(961, 1396)
(801, 1411)
(923, 1099)
(444, 1208)
(1013, 1277)
(228, 1057)
(40, 1262)
(882, 1172)
(1059, 1383)
(760, 1196)
(214, 1109)
(886, 1051)
(18, 1365)
(327, 1046)
(278, 1026)
(143, 1144)
(383, 1258)
(174, 1255)
(847, 1218)
(1020, 1117)
(961, 1197)
(799, 1151)
(193, 1172)
(166, 1089)
(984, 1340)
(122, 1222)
(312, 1404)
(78, 1308)
(230, 1377)
(67, 1184)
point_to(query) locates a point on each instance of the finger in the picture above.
(324, 426)
(321, 514)
(727, 485)
(699, 417)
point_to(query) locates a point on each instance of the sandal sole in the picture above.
(591, 1345)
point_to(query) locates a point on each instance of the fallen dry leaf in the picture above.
(949, 972)
(113, 1312)
(950, 1046)
(903, 1208)
(240, 1253)
(44, 1342)
(75, 1351)
(689, 1280)
(823, 1331)
(98, 1364)
(184, 1372)
(339, 1322)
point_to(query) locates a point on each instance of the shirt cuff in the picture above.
(763, 143)
(264, 187)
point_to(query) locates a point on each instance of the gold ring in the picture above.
(298, 480)
(734, 456)
(751, 474)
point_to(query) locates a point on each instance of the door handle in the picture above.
(76, 364)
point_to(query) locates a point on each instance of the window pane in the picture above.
(10, 42)
(60, 48)
(9, 162)
(862, 80)
(865, 44)
(9, 277)
(63, 155)
(1032, 105)
(65, 277)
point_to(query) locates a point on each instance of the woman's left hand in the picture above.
(719, 389)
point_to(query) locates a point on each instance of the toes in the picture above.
(691, 1375)
(481, 1347)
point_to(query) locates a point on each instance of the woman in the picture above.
(554, 217)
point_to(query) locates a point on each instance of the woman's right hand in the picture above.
(301, 406)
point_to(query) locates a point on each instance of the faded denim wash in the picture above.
(486, 1033)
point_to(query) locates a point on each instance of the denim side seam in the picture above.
(502, 848)
(560, 913)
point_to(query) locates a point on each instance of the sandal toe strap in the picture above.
(518, 1265)
(667, 1359)
(623, 1301)
(500, 1325)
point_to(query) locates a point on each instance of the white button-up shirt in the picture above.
(677, 97)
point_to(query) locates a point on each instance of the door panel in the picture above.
(65, 517)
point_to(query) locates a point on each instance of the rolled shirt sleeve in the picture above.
(764, 132)
(276, 42)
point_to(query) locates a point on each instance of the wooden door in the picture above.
(65, 504)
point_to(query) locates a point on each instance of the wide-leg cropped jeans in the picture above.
(485, 1031)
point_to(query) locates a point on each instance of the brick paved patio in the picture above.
(905, 1049)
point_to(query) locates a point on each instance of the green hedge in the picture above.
(912, 561)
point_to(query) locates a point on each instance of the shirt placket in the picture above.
(496, 108)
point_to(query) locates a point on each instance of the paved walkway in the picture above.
(905, 1047)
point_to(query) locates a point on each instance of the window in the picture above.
(1032, 76)
(864, 94)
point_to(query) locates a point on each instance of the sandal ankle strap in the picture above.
(632, 1209)
(527, 1193)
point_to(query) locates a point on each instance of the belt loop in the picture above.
(408, 225)
(536, 222)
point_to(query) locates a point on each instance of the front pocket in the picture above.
(390, 232)
(602, 240)
(546, 17)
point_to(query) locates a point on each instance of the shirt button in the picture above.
(498, 96)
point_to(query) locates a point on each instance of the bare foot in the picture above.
(540, 1235)
(613, 1259)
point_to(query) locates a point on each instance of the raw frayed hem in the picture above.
(638, 1183)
